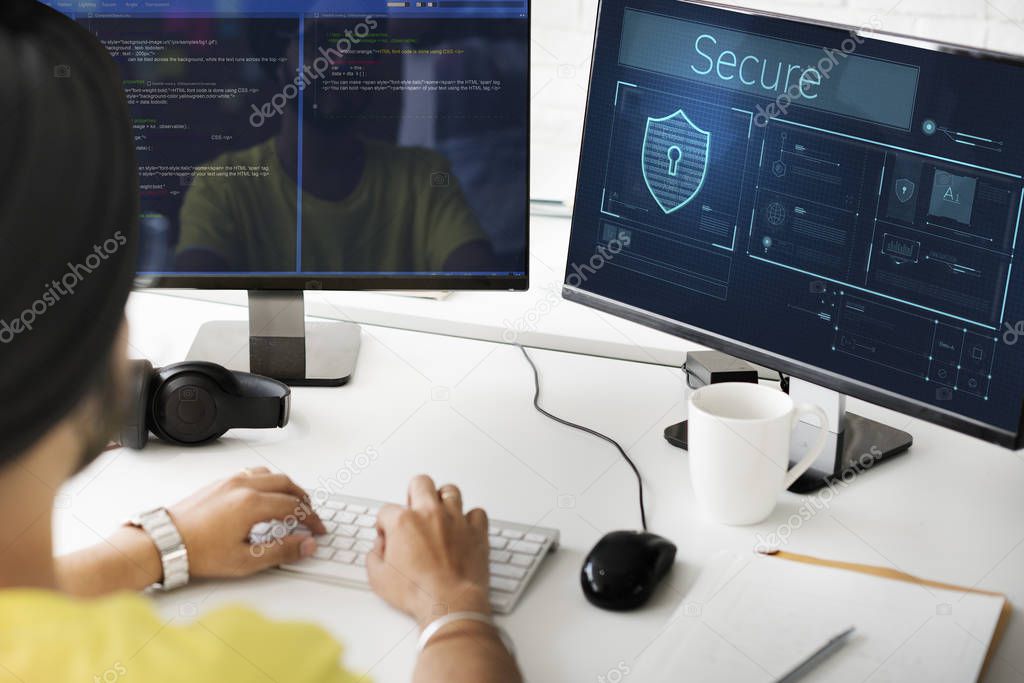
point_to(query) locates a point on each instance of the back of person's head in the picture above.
(68, 219)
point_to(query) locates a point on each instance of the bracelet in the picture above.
(433, 627)
(160, 528)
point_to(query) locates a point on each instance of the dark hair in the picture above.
(68, 218)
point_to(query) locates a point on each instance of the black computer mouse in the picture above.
(623, 569)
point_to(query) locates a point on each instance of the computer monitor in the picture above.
(292, 145)
(840, 204)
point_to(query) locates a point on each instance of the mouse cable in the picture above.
(536, 404)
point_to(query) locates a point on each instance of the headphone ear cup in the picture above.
(186, 406)
(135, 426)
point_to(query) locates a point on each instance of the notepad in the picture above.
(753, 618)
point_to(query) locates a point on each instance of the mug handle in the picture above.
(805, 464)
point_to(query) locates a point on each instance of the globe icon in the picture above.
(776, 213)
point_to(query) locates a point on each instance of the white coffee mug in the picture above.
(739, 441)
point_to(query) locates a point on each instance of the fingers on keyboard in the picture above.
(352, 530)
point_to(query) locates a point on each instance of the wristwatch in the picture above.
(159, 526)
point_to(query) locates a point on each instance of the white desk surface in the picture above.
(461, 411)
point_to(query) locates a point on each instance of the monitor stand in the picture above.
(855, 443)
(277, 342)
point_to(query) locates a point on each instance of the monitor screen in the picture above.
(843, 207)
(324, 140)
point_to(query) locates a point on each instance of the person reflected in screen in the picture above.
(368, 205)
(64, 374)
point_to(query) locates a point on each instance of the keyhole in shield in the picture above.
(675, 155)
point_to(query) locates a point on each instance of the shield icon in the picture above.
(675, 160)
(905, 190)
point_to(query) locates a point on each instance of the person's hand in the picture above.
(215, 523)
(431, 559)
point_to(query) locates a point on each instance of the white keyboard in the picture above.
(517, 550)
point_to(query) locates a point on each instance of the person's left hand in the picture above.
(215, 523)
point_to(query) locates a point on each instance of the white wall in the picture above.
(563, 35)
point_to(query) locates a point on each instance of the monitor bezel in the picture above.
(784, 364)
(342, 282)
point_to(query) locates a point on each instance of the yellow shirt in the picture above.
(407, 214)
(46, 637)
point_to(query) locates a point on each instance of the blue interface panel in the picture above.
(325, 137)
(851, 204)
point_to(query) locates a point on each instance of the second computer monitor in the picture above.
(325, 143)
(840, 204)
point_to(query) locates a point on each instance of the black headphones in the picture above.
(194, 403)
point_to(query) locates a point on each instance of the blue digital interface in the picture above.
(325, 137)
(847, 203)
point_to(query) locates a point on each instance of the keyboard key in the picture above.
(260, 529)
(347, 530)
(524, 547)
(512, 533)
(367, 534)
(345, 556)
(536, 538)
(362, 546)
(334, 504)
(329, 569)
(323, 553)
(344, 517)
(507, 570)
(331, 527)
(497, 542)
(366, 521)
(521, 560)
(360, 561)
(500, 556)
(356, 508)
(502, 602)
(505, 585)
(342, 543)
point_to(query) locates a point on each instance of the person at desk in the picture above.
(368, 206)
(66, 270)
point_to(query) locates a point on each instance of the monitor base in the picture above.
(854, 444)
(864, 443)
(278, 343)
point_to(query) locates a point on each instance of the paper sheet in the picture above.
(753, 618)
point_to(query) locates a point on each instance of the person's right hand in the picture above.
(430, 558)
(215, 523)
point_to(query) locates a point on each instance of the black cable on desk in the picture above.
(536, 404)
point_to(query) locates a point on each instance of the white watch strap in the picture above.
(173, 554)
(433, 627)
